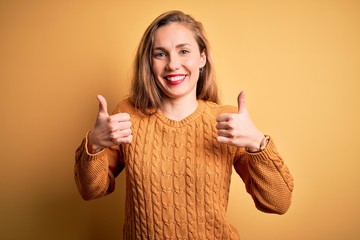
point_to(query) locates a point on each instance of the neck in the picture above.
(178, 109)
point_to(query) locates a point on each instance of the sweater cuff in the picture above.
(270, 152)
(91, 155)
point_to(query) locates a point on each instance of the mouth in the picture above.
(175, 79)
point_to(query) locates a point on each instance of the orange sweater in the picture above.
(178, 176)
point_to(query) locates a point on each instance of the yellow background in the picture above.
(299, 62)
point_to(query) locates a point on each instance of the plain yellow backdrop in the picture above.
(298, 61)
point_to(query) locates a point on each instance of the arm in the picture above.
(267, 178)
(98, 158)
(95, 173)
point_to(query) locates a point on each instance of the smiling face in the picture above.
(176, 60)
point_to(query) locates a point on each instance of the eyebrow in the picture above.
(177, 46)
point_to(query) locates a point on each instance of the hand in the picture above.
(109, 130)
(238, 129)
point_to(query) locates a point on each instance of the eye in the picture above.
(159, 55)
(184, 51)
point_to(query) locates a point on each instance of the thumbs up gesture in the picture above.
(109, 130)
(238, 129)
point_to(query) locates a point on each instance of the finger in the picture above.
(125, 133)
(124, 139)
(120, 134)
(225, 133)
(222, 125)
(102, 105)
(222, 139)
(128, 139)
(119, 126)
(120, 117)
(223, 117)
(241, 102)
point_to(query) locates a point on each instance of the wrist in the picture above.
(256, 140)
(261, 146)
(91, 146)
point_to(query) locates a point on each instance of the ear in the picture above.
(202, 59)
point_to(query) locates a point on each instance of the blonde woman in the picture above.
(177, 145)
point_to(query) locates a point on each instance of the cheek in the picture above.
(195, 62)
(155, 68)
(192, 65)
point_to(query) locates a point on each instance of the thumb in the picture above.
(241, 102)
(102, 105)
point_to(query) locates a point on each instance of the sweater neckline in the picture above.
(173, 123)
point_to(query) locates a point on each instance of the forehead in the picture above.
(174, 34)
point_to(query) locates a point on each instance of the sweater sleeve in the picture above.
(95, 173)
(267, 178)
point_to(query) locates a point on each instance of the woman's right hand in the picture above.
(109, 130)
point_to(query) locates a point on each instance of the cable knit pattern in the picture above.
(178, 176)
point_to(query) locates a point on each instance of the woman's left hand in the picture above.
(238, 129)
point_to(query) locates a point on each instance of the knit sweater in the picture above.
(178, 176)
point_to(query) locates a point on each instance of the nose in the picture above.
(173, 63)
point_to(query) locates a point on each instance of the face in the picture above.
(176, 60)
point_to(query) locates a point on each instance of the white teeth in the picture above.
(177, 78)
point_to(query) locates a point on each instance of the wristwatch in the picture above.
(263, 145)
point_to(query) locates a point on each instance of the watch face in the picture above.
(262, 147)
(264, 143)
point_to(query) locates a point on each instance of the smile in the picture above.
(175, 79)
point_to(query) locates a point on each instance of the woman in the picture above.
(177, 145)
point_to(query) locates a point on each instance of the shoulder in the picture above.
(215, 109)
(125, 106)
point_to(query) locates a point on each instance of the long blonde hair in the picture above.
(145, 94)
